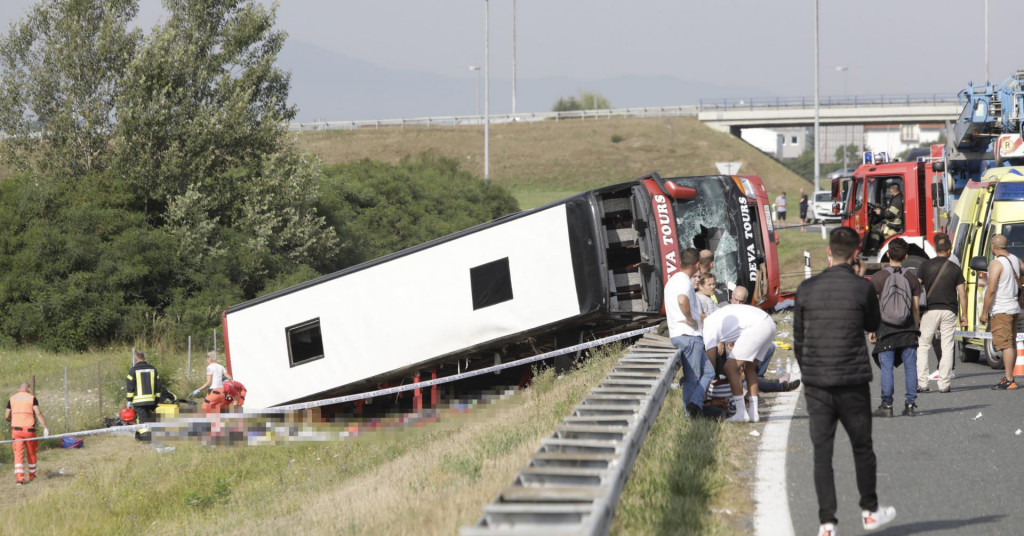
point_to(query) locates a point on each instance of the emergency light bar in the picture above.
(880, 157)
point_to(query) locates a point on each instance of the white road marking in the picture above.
(771, 512)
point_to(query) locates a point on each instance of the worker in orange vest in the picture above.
(22, 412)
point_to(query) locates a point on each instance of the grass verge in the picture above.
(688, 474)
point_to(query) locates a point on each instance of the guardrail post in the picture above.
(435, 397)
(417, 395)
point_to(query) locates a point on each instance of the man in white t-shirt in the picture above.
(750, 332)
(683, 315)
(215, 376)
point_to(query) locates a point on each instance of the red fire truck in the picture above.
(924, 199)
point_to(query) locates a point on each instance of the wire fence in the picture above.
(83, 390)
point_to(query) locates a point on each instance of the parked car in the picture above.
(819, 208)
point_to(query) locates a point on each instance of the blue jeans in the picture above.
(697, 369)
(886, 359)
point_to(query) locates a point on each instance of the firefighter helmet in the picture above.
(128, 415)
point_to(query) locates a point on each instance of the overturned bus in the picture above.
(593, 263)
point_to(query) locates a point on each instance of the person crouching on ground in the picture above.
(215, 376)
(832, 311)
(751, 332)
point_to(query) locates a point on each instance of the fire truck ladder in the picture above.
(572, 483)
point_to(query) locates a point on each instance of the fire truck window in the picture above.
(305, 343)
(491, 283)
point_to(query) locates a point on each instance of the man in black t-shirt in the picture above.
(946, 300)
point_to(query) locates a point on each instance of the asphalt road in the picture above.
(948, 471)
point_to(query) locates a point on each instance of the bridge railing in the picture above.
(459, 120)
(924, 99)
(648, 111)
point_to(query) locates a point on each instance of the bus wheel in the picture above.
(964, 354)
(993, 356)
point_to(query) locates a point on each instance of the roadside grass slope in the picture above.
(549, 160)
(431, 480)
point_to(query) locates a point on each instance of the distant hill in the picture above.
(546, 161)
(331, 86)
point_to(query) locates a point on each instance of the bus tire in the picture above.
(993, 357)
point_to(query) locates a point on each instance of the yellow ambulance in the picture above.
(993, 205)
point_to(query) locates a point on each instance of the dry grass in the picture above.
(546, 161)
(428, 481)
(431, 480)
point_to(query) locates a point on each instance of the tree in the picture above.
(61, 68)
(381, 208)
(588, 100)
(851, 153)
(188, 123)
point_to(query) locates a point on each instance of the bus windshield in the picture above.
(715, 223)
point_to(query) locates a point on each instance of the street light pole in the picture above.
(986, 42)
(487, 91)
(513, 59)
(476, 68)
(817, 157)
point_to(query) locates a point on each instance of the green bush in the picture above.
(616, 138)
(379, 208)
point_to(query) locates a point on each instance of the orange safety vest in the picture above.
(22, 414)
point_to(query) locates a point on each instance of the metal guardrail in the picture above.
(572, 483)
(460, 120)
(644, 112)
(840, 101)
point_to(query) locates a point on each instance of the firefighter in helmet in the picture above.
(143, 388)
(886, 222)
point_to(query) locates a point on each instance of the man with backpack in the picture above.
(1001, 302)
(896, 340)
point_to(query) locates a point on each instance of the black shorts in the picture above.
(803, 213)
(781, 215)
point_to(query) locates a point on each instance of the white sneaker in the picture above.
(740, 416)
(828, 529)
(874, 520)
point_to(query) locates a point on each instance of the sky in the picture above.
(405, 58)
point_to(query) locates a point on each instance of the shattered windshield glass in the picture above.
(705, 223)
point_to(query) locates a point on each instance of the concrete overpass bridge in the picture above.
(733, 115)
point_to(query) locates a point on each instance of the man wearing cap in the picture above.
(22, 412)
